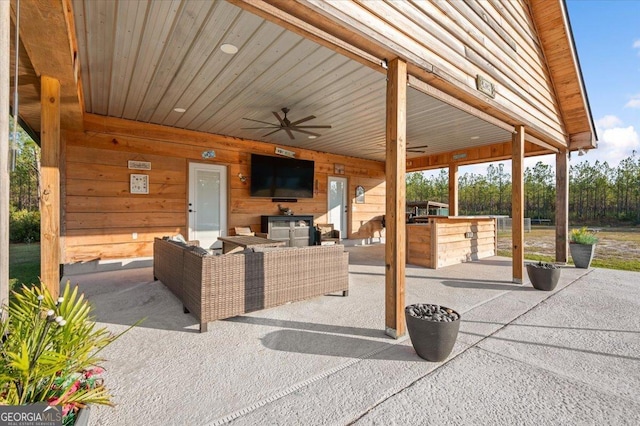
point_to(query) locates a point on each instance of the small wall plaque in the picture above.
(139, 165)
(360, 194)
(485, 86)
(459, 156)
(139, 184)
(286, 153)
(208, 154)
(338, 169)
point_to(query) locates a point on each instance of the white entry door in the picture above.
(337, 204)
(207, 203)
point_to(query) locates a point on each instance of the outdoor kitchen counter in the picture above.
(446, 240)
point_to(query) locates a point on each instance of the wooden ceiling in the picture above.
(140, 60)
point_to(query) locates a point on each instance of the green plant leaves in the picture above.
(49, 347)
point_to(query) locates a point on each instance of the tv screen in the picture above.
(281, 177)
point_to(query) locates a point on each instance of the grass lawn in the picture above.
(617, 248)
(24, 264)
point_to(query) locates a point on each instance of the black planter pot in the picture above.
(83, 417)
(541, 278)
(432, 340)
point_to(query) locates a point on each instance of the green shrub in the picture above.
(24, 226)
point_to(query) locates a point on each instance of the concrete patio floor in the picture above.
(523, 356)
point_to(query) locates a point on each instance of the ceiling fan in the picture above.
(287, 125)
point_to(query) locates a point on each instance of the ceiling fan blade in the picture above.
(311, 117)
(281, 120)
(264, 127)
(263, 122)
(312, 127)
(417, 147)
(277, 130)
(286, 129)
(297, 129)
(416, 150)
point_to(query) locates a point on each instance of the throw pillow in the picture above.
(198, 250)
(179, 238)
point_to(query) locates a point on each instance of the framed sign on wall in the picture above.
(139, 184)
(360, 194)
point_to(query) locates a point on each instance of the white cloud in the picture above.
(634, 102)
(636, 44)
(609, 121)
(615, 144)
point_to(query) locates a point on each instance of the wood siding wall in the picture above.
(442, 241)
(452, 246)
(100, 214)
(419, 245)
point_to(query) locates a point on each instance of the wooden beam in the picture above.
(50, 196)
(584, 140)
(54, 53)
(543, 144)
(517, 204)
(285, 19)
(562, 207)
(395, 248)
(453, 190)
(5, 64)
(475, 155)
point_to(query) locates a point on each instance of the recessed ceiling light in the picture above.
(475, 137)
(229, 48)
(181, 110)
(312, 137)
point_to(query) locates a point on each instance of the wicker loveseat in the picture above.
(213, 287)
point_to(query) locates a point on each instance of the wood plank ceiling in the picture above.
(142, 59)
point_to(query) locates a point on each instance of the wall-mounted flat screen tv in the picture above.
(281, 177)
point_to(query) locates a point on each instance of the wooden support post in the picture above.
(562, 207)
(517, 204)
(453, 190)
(5, 65)
(50, 186)
(395, 169)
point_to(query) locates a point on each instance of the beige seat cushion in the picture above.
(244, 230)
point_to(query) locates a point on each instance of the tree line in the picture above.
(598, 193)
(25, 174)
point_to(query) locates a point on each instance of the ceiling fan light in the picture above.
(229, 49)
(312, 137)
(180, 110)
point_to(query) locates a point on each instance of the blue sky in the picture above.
(607, 38)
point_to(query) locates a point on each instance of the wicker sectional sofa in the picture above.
(213, 287)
